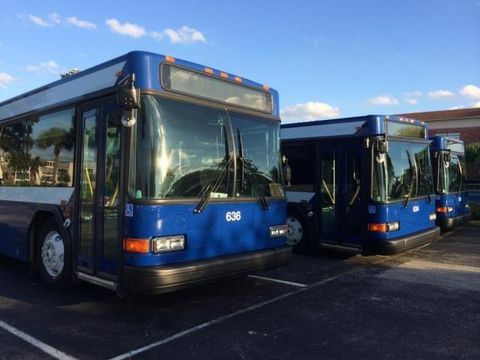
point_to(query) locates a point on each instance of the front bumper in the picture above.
(388, 247)
(163, 279)
(448, 223)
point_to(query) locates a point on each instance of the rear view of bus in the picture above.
(448, 157)
(362, 183)
(146, 174)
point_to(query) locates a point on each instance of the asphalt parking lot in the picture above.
(423, 304)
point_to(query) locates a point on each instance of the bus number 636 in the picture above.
(233, 216)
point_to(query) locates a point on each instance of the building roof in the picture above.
(444, 114)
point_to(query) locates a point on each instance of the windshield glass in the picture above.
(404, 171)
(450, 175)
(258, 142)
(181, 149)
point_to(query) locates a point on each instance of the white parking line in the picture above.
(57, 354)
(226, 317)
(277, 280)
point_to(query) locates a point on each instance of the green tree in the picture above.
(472, 152)
(35, 165)
(59, 139)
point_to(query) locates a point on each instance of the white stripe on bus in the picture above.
(36, 194)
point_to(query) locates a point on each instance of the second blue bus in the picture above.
(362, 183)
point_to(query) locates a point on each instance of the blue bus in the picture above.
(361, 183)
(448, 158)
(143, 174)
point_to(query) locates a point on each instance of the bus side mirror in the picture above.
(287, 171)
(128, 97)
(447, 159)
(382, 146)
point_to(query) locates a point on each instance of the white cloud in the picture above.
(308, 111)
(471, 91)
(36, 20)
(73, 20)
(49, 66)
(128, 29)
(5, 79)
(412, 94)
(383, 100)
(184, 35)
(441, 95)
(157, 35)
(477, 104)
(54, 18)
(411, 101)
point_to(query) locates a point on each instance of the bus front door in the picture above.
(340, 187)
(99, 196)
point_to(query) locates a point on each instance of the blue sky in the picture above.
(326, 58)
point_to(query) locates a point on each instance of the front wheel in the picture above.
(53, 257)
(297, 235)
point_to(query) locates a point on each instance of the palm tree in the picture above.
(35, 165)
(58, 138)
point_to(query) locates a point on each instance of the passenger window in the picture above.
(301, 159)
(38, 152)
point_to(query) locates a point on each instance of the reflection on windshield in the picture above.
(403, 172)
(181, 150)
(450, 175)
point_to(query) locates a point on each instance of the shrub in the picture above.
(475, 207)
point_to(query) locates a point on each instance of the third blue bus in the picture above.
(448, 157)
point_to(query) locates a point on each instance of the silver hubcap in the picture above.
(295, 231)
(53, 253)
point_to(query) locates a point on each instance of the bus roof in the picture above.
(358, 126)
(103, 78)
(443, 142)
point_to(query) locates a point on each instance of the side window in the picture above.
(38, 152)
(301, 159)
(15, 161)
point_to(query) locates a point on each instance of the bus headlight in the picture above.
(168, 243)
(278, 231)
(433, 217)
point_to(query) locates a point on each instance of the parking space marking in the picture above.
(277, 280)
(57, 354)
(228, 316)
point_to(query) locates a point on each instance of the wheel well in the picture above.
(40, 218)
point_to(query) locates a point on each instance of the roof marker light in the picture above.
(208, 70)
(266, 87)
(238, 79)
(224, 75)
(170, 59)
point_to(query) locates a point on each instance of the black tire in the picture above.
(298, 233)
(53, 257)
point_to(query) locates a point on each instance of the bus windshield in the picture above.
(403, 172)
(450, 174)
(183, 148)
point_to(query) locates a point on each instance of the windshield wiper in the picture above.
(247, 169)
(211, 188)
(427, 181)
(461, 177)
(410, 188)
